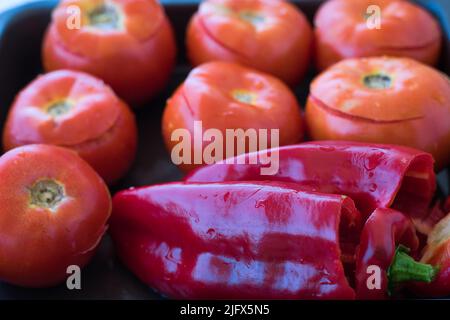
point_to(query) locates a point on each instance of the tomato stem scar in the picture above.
(104, 17)
(377, 81)
(251, 17)
(59, 108)
(46, 194)
(244, 96)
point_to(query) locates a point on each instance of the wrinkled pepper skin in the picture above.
(382, 233)
(373, 175)
(235, 240)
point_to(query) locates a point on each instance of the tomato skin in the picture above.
(341, 32)
(413, 112)
(38, 244)
(136, 64)
(206, 95)
(211, 36)
(100, 127)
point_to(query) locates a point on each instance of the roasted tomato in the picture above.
(364, 28)
(53, 214)
(383, 100)
(270, 36)
(223, 96)
(77, 111)
(127, 43)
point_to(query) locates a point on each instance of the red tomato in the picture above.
(270, 36)
(53, 214)
(382, 100)
(225, 96)
(348, 29)
(127, 43)
(77, 111)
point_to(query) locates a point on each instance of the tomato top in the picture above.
(106, 26)
(383, 89)
(64, 108)
(248, 26)
(403, 26)
(226, 95)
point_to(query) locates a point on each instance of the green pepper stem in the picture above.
(404, 268)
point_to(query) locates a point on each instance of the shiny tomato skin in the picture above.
(99, 126)
(405, 30)
(39, 243)
(413, 111)
(207, 95)
(283, 48)
(135, 61)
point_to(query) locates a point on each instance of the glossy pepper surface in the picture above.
(373, 175)
(235, 240)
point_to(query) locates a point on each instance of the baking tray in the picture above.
(21, 32)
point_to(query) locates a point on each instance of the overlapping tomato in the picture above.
(127, 43)
(271, 36)
(225, 95)
(53, 213)
(384, 100)
(365, 28)
(78, 111)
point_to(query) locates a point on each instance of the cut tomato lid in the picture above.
(345, 23)
(245, 26)
(382, 89)
(231, 94)
(64, 108)
(97, 28)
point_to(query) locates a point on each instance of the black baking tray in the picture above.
(21, 32)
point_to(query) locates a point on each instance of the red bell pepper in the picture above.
(235, 240)
(382, 260)
(372, 175)
(437, 253)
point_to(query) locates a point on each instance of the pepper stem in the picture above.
(404, 268)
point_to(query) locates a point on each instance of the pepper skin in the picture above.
(235, 240)
(341, 31)
(382, 100)
(372, 175)
(128, 43)
(75, 110)
(382, 232)
(437, 252)
(270, 36)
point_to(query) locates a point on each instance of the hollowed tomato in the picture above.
(226, 96)
(271, 36)
(127, 43)
(53, 214)
(78, 111)
(365, 28)
(383, 100)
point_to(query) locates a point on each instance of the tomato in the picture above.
(382, 100)
(271, 36)
(53, 214)
(127, 43)
(349, 29)
(225, 96)
(77, 111)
